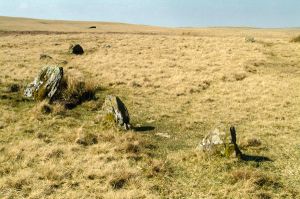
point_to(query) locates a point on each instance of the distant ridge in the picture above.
(21, 25)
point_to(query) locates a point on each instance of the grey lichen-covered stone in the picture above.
(115, 107)
(46, 84)
(211, 140)
(221, 142)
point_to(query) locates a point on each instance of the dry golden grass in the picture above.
(181, 82)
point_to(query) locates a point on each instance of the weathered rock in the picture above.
(91, 27)
(221, 143)
(46, 84)
(113, 106)
(76, 49)
(212, 140)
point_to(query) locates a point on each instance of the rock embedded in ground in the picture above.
(217, 142)
(76, 49)
(113, 106)
(46, 84)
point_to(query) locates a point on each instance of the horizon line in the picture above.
(172, 27)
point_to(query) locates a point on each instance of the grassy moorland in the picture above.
(178, 84)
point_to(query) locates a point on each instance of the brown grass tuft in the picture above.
(74, 92)
(119, 180)
(296, 39)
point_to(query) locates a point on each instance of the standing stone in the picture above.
(115, 107)
(46, 84)
(76, 49)
(237, 151)
(222, 143)
(212, 140)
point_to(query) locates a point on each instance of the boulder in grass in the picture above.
(46, 84)
(114, 108)
(76, 49)
(217, 142)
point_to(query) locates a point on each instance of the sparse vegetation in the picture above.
(74, 92)
(296, 39)
(177, 87)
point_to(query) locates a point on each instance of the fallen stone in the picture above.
(46, 84)
(76, 49)
(115, 108)
(217, 142)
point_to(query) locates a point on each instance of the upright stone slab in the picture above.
(46, 84)
(115, 107)
(221, 142)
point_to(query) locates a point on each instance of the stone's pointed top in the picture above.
(46, 84)
(114, 106)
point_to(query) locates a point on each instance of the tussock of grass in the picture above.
(74, 92)
(296, 39)
(42, 108)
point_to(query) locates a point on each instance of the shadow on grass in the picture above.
(143, 128)
(255, 158)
